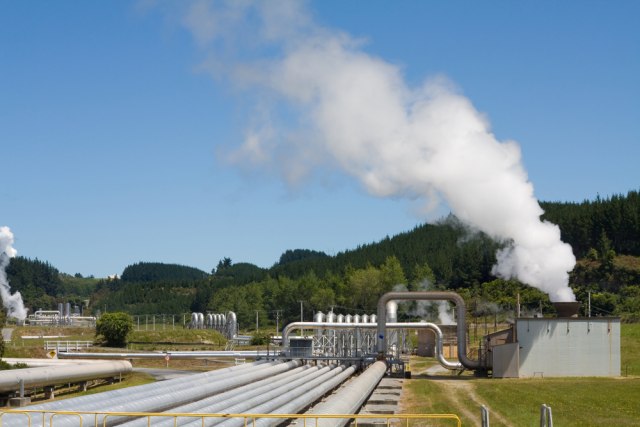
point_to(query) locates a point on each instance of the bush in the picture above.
(260, 338)
(114, 328)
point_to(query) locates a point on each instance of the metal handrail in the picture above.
(247, 417)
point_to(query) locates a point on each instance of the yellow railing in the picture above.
(101, 419)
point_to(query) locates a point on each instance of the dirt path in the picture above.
(463, 395)
(460, 393)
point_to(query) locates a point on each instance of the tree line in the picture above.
(605, 234)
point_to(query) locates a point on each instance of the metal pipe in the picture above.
(427, 296)
(48, 375)
(38, 363)
(348, 399)
(299, 403)
(293, 401)
(161, 355)
(221, 402)
(269, 399)
(409, 325)
(156, 397)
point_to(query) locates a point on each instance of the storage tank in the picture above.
(200, 322)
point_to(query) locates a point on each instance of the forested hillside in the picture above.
(602, 224)
(604, 233)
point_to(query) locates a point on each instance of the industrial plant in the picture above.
(328, 366)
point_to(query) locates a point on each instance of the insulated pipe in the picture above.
(38, 363)
(128, 393)
(169, 397)
(299, 403)
(409, 325)
(154, 397)
(270, 398)
(348, 399)
(427, 296)
(219, 402)
(159, 355)
(295, 400)
(52, 375)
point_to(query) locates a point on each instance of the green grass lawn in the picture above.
(630, 349)
(516, 402)
(574, 401)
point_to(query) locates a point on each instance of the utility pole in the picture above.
(301, 311)
(278, 321)
(257, 320)
(589, 293)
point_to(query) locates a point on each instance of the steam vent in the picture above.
(567, 309)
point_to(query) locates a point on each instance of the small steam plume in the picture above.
(12, 302)
(355, 112)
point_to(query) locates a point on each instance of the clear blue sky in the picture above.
(110, 133)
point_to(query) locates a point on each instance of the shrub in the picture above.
(260, 338)
(114, 328)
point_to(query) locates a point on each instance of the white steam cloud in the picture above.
(12, 302)
(355, 111)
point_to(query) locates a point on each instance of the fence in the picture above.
(67, 345)
(48, 418)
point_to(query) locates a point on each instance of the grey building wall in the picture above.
(567, 347)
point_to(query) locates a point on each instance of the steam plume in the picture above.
(12, 302)
(355, 111)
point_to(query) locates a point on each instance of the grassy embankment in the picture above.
(516, 402)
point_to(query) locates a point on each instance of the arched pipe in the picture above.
(410, 325)
(427, 296)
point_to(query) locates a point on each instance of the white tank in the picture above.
(194, 320)
(200, 320)
(318, 317)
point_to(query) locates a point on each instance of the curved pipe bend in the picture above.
(427, 296)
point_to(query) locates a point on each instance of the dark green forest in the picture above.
(604, 233)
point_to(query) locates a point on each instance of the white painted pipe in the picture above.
(162, 355)
(297, 398)
(219, 402)
(254, 401)
(348, 399)
(151, 397)
(46, 376)
(37, 363)
(300, 402)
